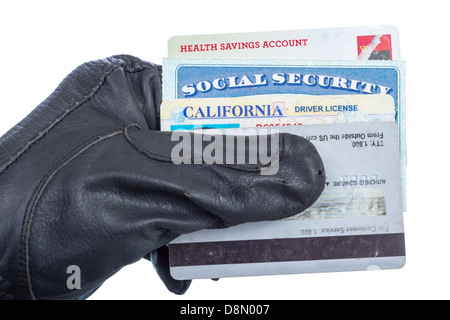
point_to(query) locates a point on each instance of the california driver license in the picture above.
(356, 224)
(274, 111)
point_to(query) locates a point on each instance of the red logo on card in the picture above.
(379, 47)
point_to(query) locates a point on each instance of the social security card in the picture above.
(209, 78)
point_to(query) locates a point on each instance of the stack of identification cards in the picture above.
(321, 84)
(356, 224)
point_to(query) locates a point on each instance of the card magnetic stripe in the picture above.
(289, 249)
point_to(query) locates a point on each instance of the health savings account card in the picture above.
(205, 78)
(363, 43)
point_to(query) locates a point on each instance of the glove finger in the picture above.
(233, 193)
(160, 261)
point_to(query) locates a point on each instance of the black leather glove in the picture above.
(86, 180)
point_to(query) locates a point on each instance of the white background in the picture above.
(42, 41)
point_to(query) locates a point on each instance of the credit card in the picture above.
(363, 43)
(274, 110)
(356, 224)
(205, 78)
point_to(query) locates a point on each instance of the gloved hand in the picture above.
(86, 180)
